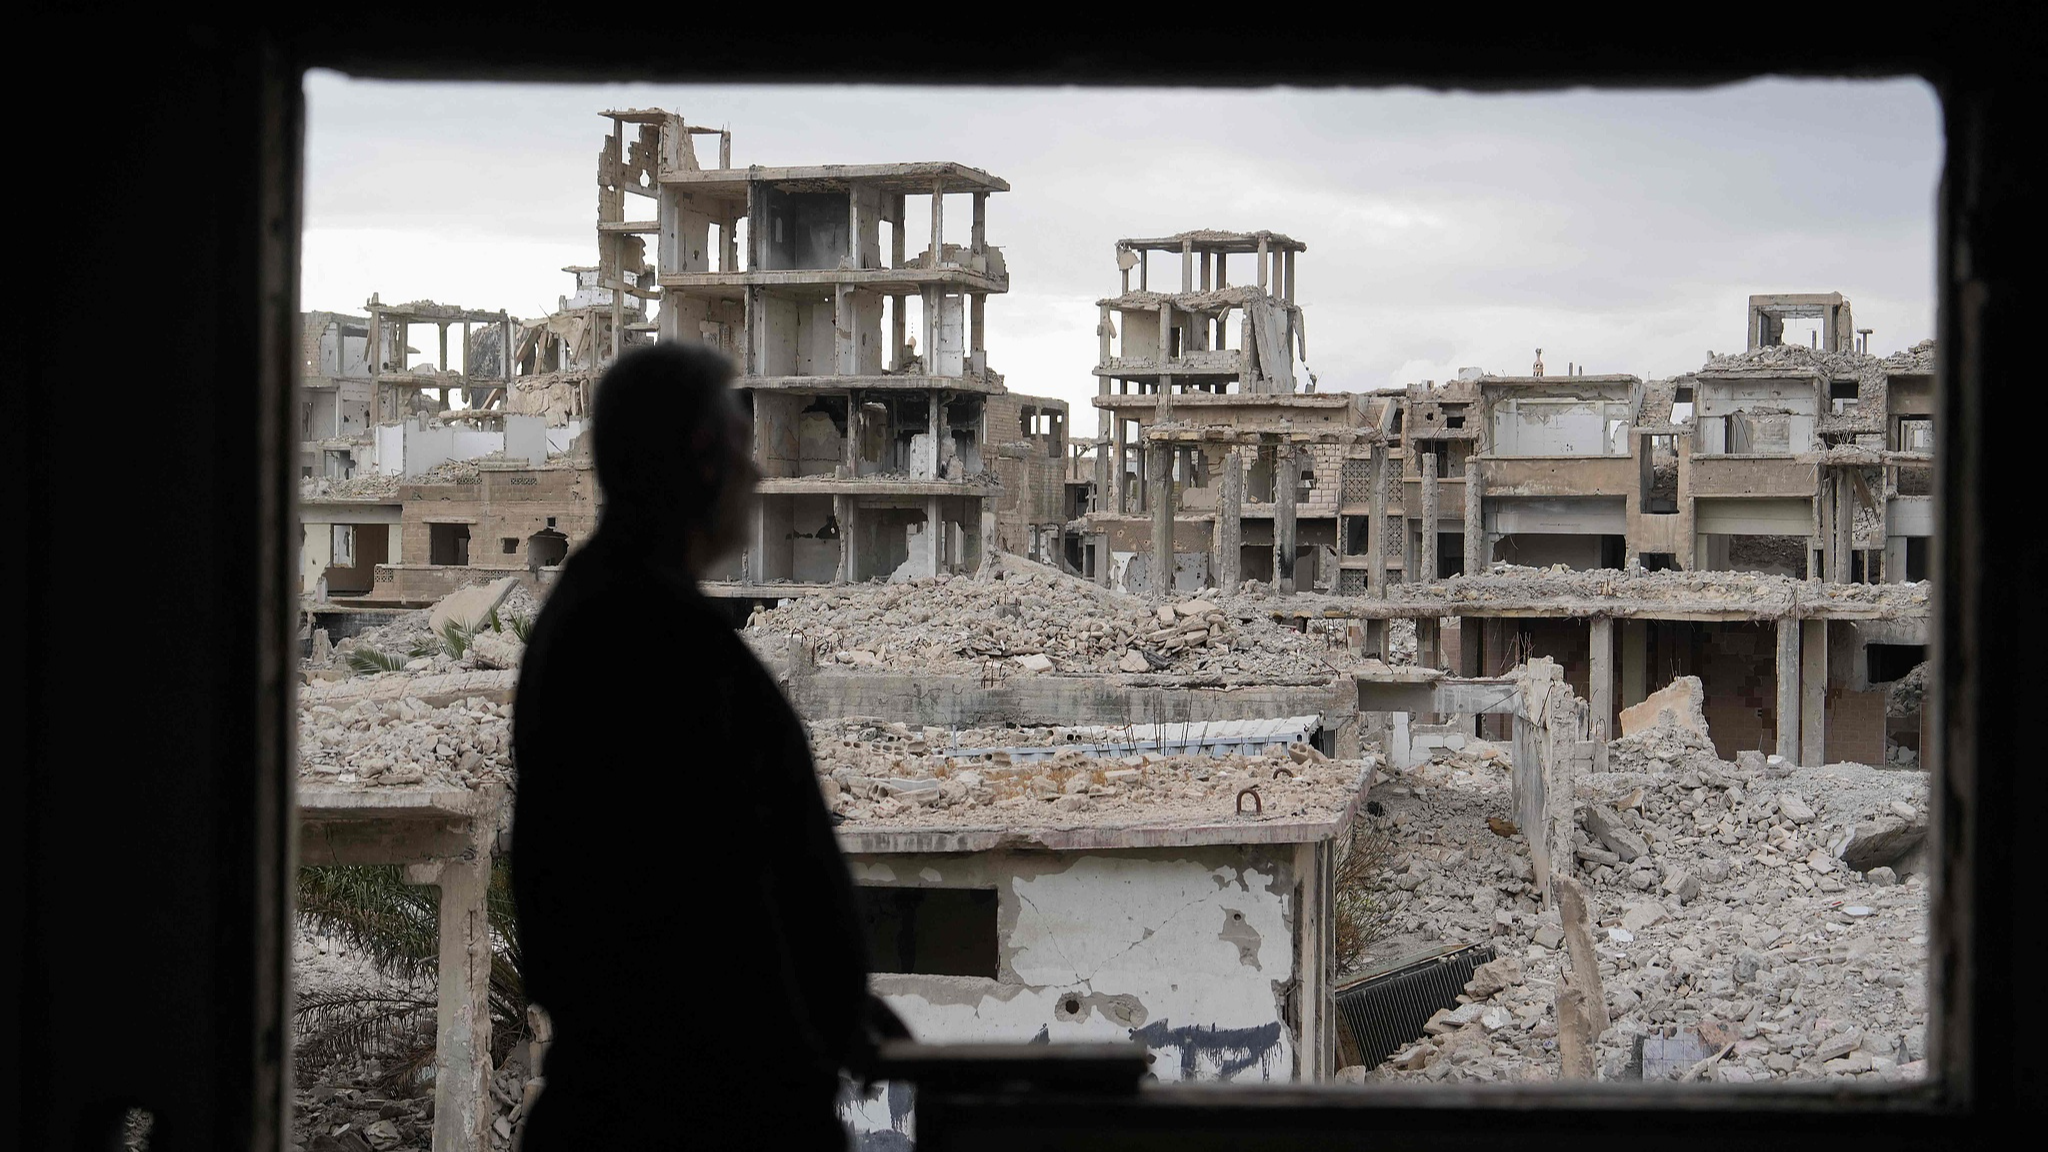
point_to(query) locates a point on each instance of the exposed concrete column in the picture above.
(1289, 281)
(1425, 569)
(1601, 677)
(1118, 465)
(899, 306)
(1813, 686)
(931, 331)
(1230, 522)
(842, 333)
(938, 222)
(1159, 474)
(1845, 529)
(980, 240)
(462, 1015)
(1265, 265)
(1187, 265)
(1788, 689)
(1635, 662)
(934, 538)
(1376, 543)
(1429, 652)
(1207, 260)
(1285, 483)
(976, 311)
(1475, 529)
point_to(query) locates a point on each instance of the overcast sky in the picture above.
(1622, 231)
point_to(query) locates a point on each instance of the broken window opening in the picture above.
(509, 545)
(448, 544)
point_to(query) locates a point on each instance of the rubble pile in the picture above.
(1661, 749)
(1771, 917)
(1908, 693)
(1598, 588)
(383, 487)
(380, 742)
(409, 632)
(897, 776)
(1036, 619)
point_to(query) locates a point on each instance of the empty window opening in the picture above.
(448, 544)
(510, 545)
(547, 548)
(931, 931)
(1658, 561)
(1916, 558)
(1884, 663)
(1450, 554)
(1357, 535)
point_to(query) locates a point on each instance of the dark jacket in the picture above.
(685, 915)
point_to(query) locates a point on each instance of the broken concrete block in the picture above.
(1133, 661)
(1839, 1045)
(1494, 976)
(493, 650)
(1794, 808)
(1677, 704)
(468, 608)
(1683, 885)
(1035, 662)
(1604, 824)
(1641, 916)
(1195, 609)
(1883, 842)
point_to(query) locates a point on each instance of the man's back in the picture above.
(685, 916)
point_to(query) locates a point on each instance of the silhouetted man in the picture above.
(685, 916)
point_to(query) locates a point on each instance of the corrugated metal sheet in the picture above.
(1384, 1010)
(1196, 738)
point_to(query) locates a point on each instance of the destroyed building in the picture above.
(1206, 448)
(1165, 883)
(888, 445)
(1075, 814)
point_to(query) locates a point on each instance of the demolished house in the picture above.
(888, 445)
(1617, 661)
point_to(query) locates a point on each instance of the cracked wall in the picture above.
(1189, 950)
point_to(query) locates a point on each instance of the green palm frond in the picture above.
(397, 925)
(521, 627)
(455, 639)
(369, 661)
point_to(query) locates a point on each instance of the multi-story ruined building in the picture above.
(887, 444)
(1208, 447)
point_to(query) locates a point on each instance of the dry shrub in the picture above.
(1363, 913)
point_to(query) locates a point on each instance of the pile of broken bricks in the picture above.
(1030, 618)
(1747, 921)
(900, 777)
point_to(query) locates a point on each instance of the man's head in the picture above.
(673, 453)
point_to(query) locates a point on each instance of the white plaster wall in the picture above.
(1186, 950)
(316, 552)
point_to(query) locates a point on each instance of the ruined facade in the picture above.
(887, 444)
(1207, 447)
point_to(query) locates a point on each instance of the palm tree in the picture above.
(397, 926)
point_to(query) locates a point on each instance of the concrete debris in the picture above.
(1680, 703)
(1742, 920)
(894, 775)
(468, 608)
(1024, 609)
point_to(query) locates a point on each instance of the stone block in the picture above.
(1680, 703)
